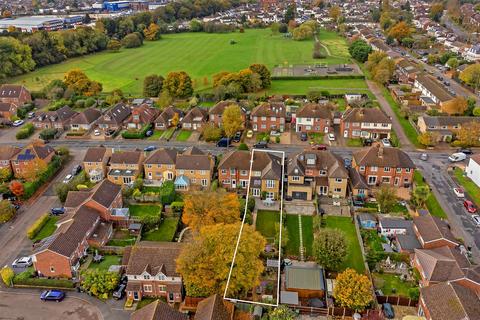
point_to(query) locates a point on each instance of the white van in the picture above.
(456, 157)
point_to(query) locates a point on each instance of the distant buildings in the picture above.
(36, 23)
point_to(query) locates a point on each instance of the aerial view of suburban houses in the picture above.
(234, 160)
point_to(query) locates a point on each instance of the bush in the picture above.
(177, 206)
(48, 134)
(7, 275)
(136, 134)
(277, 139)
(243, 146)
(211, 133)
(167, 193)
(43, 282)
(25, 132)
(89, 102)
(37, 226)
(132, 40)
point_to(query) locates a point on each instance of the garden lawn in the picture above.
(354, 142)
(108, 260)
(354, 254)
(167, 134)
(165, 232)
(184, 135)
(47, 230)
(265, 223)
(121, 242)
(316, 137)
(386, 282)
(432, 204)
(143, 210)
(157, 134)
(472, 189)
(213, 53)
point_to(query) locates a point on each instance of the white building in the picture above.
(473, 54)
(33, 23)
(473, 169)
(394, 226)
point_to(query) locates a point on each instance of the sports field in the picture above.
(200, 54)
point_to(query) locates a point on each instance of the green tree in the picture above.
(264, 73)
(275, 28)
(196, 25)
(152, 85)
(205, 262)
(289, 13)
(178, 84)
(330, 248)
(15, 57)
(453, 63)
(132, 40)
(359, 50)
(386, 197)
(99, 282)
(476, 111)
(7, 211)
(420, 195)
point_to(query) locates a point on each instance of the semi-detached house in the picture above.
(365, 123)
(268, 116)
(313, 117)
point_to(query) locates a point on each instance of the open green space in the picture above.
(157, 134)
(391, 284)
(47, 230)
(432, 203)
(472, 189)
(143, 210)
(333, 86)
(108, 260)
(184, 135)
(165, 232)
(337, 47)
(199, 54)
(354, 256)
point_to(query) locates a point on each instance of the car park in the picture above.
(23, 262)
(386, 142)
(52, 295)
(388, 311)
(303, 136)
(18, 123)
(67, 178)
(249, 134)
(149, 148)
(237, 136)
(261, 145)
(459, 192)
(424, 157)
(457, 157)
(470, 206)
(331, 137)
(57, 211)
(476, 220)
(119, 292)
(76, 169)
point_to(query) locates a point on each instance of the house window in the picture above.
(181, 172)
(149, 165)
(264, 118)
(399, 170)
(52, 269)
(270, 184)
(273, 119)
(374, 169)
(323, 190)
(170, 166)
(323, 173)
(203, 172)
(337, 190)
(243, 172)
(263, 126)
(194, 180)
(338, 179)
(224, 171)
(162, 288)
(295, 178)
(147, 287)
(226, 182)
(385, 179)
(386, 169)
(232, 171)
(243, 183)
(372, 179)
(204, 182)
(362, 168)
(192, 171)
(146, 277)
(407, 170)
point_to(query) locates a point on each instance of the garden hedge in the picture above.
(37, 226)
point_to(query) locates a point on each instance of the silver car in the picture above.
(23, 262)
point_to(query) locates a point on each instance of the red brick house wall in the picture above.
(257, 124)
(105, 212)
(404, 177)
(177, 296)
(22, 99)
(19, 166)
(11, 112)
(60, 265)
(228, 176)
(318, 126)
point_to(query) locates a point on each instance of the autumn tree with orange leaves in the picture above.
(353, 290)
(16, 187)
(32, 169)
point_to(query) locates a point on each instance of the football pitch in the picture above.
(199, 54)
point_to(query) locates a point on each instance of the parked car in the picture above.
(347, 162)
(424, 157)
(459, 192)
(149, 148)
(67, 178)
(388, 311)
(237, 136)
(303, 136)
(224, 143)
(274, 133)
(386, 142)
(119, 291)
(76, 169)
(319, 147)
(261, 145)
(149, 133)
(331, 137)
(96, 132)
(52, 295)
(31, 115)
(458, 156)
(476, 220)
(249, 134)
(465, 151)
(367, 142)
(358, 201)
(470, 206)
(110, 132)
(18, 123)
(23, 262)
(57, 211)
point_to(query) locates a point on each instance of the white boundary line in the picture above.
(241, 230)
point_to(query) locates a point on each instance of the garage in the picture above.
(299, 195)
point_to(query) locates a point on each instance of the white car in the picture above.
(386, 142)
(96, 132)
(23, 262)
(476, 219)
(459, 192)
(274, 133)
(424, 157)
(331, 137)
(67, 178)
(456, 157)
(18, 123)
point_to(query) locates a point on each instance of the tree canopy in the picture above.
(353, 290)
(330, 248)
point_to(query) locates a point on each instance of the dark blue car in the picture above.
(149, 148)
(388, 311)
(52, 295)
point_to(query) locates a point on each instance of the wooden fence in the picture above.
(397, 301)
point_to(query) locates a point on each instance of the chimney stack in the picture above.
(380, 151)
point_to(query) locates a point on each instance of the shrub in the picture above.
(43, 282)
(177, 206)
(243, 146)
(25, 132)
(7, 275)
(89, 102)
(48, 134)
(277, 139)
(37, 226)
(136, 134)
(132, 40)
(212, 133)
(167, 193)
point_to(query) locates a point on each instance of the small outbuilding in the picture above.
(308, 282)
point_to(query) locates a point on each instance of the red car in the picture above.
(469, 206)
(319, 147)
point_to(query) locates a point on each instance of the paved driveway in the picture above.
(13, 305)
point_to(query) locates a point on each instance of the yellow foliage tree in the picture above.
(455, 106)
(175, 119)
(32, 169)
(232, 120)
(353, 290)
(468, 135)
(428, 139)
(205, 208)
(471, 75)
(152, 32)
(400, 30)
(78, 81)
(335, 12)
(205, 263)
(7, 274)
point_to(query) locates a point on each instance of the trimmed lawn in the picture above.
(307, 232)
(339, 86)
(157, 134)
(184, 135)
(47, 230)
(213, 54)
(472, 189)
(391, 284)
(143, 210)
(146, 301)
(165, 232)
(293, 244)
(265, 223)
(167, 134)
(354, 257)
(354, 142)
(432, 203)
(121, 242)
(108, 260)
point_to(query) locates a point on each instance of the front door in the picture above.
(256, 192)
(135, 295)
(345, 133)
(234, 184)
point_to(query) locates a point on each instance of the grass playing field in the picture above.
(200, 54)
